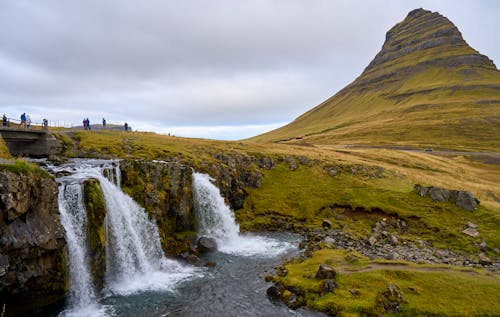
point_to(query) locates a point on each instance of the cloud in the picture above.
(192, 63)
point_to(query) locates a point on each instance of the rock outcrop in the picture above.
(32, 242)
(461, 198)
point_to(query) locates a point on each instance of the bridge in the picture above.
(30, 142)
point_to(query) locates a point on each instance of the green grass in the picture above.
(21, 166)
(4, 151)
(303, 193)
(428, 290)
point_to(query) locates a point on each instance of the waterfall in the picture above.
(74, 220)
(134, 258)
(216, 220)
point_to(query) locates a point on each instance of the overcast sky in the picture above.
(214, 69)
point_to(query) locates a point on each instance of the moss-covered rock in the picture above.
(96, 212)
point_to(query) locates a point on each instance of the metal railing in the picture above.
(16, 123)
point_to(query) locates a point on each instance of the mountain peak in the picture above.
(426, 37)
(426, 87)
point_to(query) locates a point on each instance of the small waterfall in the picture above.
(134, 258)
(216, 220)
(74, 220)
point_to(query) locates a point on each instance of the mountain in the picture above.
(426, 87)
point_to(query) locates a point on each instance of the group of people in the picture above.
(25, 121)
(86, 124)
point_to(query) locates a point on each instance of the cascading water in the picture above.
(134, 258)
(82, 297)
(216, 220)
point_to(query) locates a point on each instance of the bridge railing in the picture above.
(16, 123)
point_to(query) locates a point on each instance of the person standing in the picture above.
(28, 121)
(84, 122)
(103, 122)
(45, 124)
(23, 120)
(88, 124)
(4, 120)
(126, 126)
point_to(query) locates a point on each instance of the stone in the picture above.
(483, 246)
(291, 163)
(275, 292)
(439, 194)
(393, 239)
(484, 260)
(389, 300)
(466, 201)
(329, 242)
(327, 286)
(471, 225)
(327, 224)
(471, 232)
(325, 272)
(372, 241)
(206, 244)
(354, 292)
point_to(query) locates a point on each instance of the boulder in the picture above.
(439, 194)
(325, 272)
(466, 201)
(389, 301)
(327, 286)
(206, 244)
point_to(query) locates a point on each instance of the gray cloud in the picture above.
(200, 64)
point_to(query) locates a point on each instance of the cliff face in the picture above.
(32, 242)
(426, 87)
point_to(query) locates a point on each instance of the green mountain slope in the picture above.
(426, 87)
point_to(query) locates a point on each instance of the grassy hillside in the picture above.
(426, 88)
(353, 188)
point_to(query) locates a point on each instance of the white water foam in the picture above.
(216, 220)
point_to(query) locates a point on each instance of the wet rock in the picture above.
(275, 292)
(466, 201)
(325, 272)
(389, 300)
(206, 244)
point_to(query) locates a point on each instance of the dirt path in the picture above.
(405, 267)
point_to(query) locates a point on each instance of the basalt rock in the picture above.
(32, 243)
(461, 198)
(206, 244)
